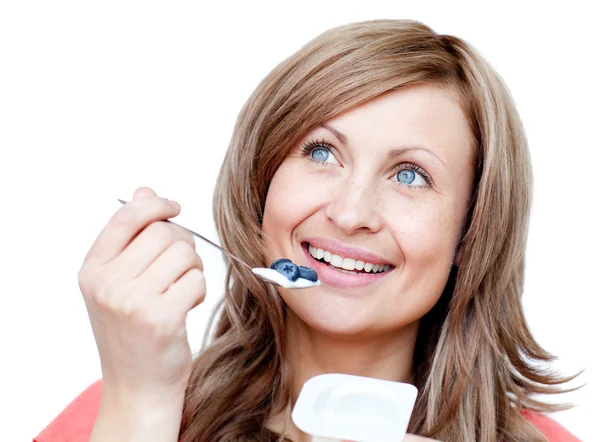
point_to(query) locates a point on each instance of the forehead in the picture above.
(425, 115)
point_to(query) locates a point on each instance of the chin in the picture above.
(340, 330)
(335, 319)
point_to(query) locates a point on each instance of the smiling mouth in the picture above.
(346, 265)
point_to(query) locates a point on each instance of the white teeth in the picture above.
(336, 260)
(348, 264)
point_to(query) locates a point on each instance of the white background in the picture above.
(98, 98)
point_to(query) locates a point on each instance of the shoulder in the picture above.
(550, 428)
(75, 422)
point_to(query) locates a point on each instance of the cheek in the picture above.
(294, 194)
(426, 231)
(427, 238)
(295, 191)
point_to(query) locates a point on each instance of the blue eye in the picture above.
(409, 173)
(406, 176)
(319, 151)
(320, 155)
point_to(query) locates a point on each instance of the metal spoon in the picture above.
(268, 275)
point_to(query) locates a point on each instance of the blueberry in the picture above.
(286, 267)
(275, 263)
(308, 273)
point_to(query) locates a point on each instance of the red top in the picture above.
(75, 423)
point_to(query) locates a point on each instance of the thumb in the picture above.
(143, 192)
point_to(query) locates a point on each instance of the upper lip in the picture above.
(345, 250)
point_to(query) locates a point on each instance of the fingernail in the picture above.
(174, 204)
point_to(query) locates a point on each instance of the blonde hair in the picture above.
(476, 364)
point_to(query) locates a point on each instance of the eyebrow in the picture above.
(391, 154)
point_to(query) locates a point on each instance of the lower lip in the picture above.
(339, 279)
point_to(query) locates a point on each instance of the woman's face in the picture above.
(374, 201)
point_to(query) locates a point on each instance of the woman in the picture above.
(390, 159)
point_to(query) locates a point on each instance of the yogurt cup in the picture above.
(341, 407)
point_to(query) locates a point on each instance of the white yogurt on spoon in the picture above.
(274, 277)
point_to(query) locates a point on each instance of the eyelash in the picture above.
(309, 146)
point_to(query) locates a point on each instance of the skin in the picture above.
(356, 199)
(139, 280)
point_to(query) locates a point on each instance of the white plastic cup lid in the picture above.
(356, 408)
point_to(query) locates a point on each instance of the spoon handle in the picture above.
(231, 255)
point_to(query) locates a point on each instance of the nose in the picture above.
(353, 208)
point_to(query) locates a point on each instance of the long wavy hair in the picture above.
(476, 364)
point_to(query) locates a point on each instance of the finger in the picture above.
(143, 192)
(126, 223)
(186, 293)
(148, 245)
(165, 270)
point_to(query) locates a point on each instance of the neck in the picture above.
(311, 353)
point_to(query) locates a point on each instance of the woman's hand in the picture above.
(139, 280)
